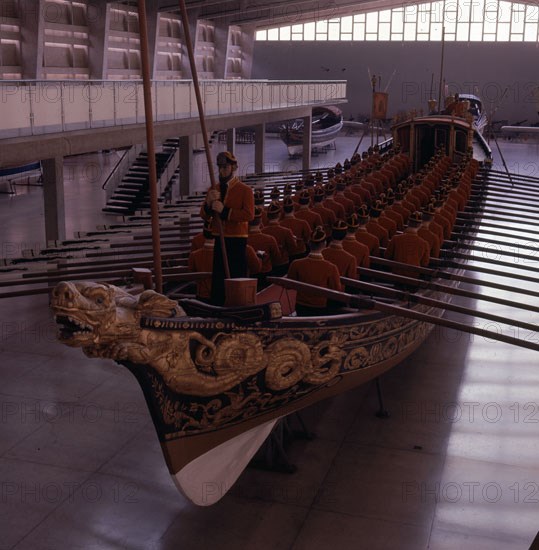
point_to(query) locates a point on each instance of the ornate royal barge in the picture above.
(216, 380)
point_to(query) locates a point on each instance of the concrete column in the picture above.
(32, 39)
(221, 49)
(98, 34)
(186, 67)
(153, 34)
(247, 47)
(231, 140)
(186, 164)
(260, 142)
(53, 198)
(307, 130)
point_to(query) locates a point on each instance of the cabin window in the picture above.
(461, 141)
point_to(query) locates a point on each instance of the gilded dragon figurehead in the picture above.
(92, 314)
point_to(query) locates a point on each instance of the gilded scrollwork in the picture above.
(203, 378)
(288, 362)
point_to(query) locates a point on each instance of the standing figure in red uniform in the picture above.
(233, 202)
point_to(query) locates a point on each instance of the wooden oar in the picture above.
(515, 175)
(368, 303)
(501, 198)
(438, 287)
(457, 265)
(194, 74)
(517, 190)
(464, 216)
(371, 288)
(486, 211)
(449, 244)
(150, 145)
(493, 241)
(502, 195)
(429, 274)
(471, 258)
(479, 224)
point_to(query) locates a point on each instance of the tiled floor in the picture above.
(454, 467)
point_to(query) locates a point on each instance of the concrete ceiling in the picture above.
(264, 13)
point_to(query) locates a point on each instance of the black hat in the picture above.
(226, 157)
(340, 184)
(318, 235)
(428, 212)
(319, 194)
(415, 219)
(338, 168)
(329, 189)
(339, 230)
(376, 209)
(274, 210)
(363, 213)
(304, 197)
(352, 222)
(275, 192)
(288, 204)
(259, 196)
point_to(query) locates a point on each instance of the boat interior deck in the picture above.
(453, 467)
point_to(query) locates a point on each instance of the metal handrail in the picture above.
(114, 169)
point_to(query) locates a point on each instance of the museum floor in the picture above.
(454, 467)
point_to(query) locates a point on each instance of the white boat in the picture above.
(326, 124)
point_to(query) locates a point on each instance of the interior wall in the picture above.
(486, 69)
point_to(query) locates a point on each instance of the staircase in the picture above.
(133, 193)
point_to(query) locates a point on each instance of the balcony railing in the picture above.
(30, 108)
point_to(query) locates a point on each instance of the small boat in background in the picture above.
(326, 124)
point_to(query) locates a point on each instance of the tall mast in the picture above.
(150, 145)
(189, 45)
(441, 71)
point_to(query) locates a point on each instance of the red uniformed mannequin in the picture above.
(360, 251)
(300, 228)
(428, 233)
(336, 254)
(284, 237)
(362, 234)
(409, 248)
(233, 202)
(305, 213)
(265, 245)
(375, 228)
(328, 216)
(315, 270)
